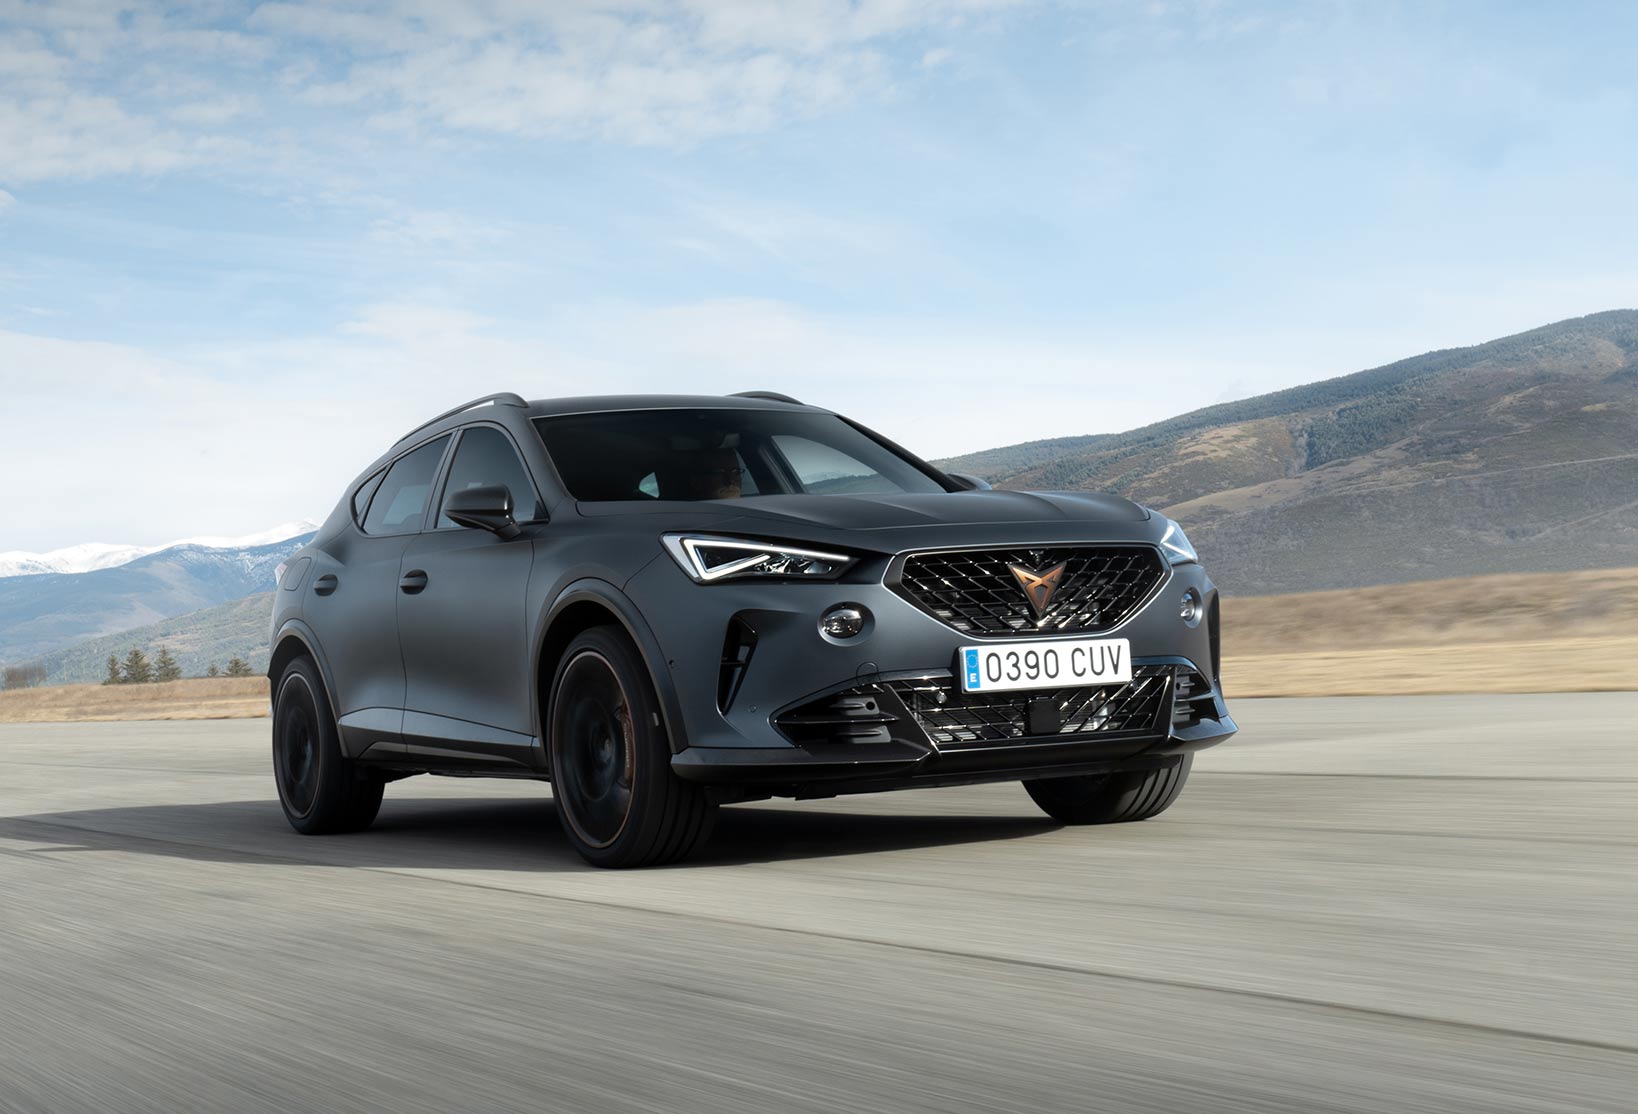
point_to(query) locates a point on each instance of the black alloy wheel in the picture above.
(596, 745)
(320, 789)
(295, 747)
(618, 800)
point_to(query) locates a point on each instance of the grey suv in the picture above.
(664, 604)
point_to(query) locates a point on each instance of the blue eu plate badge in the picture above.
(969, 664)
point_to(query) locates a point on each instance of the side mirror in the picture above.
(969, 482)
(484, 508)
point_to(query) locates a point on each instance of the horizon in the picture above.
(227, 231)
(316, 519)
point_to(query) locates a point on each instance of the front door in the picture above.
(463, 622)
(352, 603)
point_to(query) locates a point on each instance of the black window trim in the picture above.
(435, 508)
(373, 482)
(437, 475)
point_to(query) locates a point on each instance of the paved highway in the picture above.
(1370, 904)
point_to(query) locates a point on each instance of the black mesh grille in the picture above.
(976, 592)
(950, 716)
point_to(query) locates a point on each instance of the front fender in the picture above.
(612, 599)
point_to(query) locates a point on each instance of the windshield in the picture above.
(723, 454)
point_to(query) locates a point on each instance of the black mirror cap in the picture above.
(969, 482)
(484, 508)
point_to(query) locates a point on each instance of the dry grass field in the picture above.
(204, 698)
(1551, 632)
(1547, 632)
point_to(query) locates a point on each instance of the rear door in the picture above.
(352, 600)
(464, 624)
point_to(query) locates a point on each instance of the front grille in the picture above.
(976, 592)
(951, 718)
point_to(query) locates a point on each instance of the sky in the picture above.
(244, 247)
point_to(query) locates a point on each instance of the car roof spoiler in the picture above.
(504, 398)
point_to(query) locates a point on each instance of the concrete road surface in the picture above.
(1372, 904)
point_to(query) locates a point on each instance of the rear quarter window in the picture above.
(361, 497)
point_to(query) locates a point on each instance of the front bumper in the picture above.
(736, 716)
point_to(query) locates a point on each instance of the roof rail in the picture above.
(504, 398)
(768, 396)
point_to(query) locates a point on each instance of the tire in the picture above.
(1110, 798)
(617, 799)
(322, 792)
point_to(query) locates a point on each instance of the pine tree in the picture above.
(114, 676)
(165, 666)
(213, 671)
(137, 669)
(238, 667)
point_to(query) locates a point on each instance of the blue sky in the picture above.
(247, 245)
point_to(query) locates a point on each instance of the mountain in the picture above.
(1519, 455)
(43, 612)
(101, 555)
(197, 640)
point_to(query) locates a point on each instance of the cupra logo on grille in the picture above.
(1039, 586)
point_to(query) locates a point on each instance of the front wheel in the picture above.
(1110, 798)
(619, 802)
(320, 789)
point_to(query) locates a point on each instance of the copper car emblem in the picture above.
(1038, 586)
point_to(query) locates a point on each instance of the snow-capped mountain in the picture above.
(47, 609)
(91, 556)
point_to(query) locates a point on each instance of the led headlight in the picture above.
(1175, 545)
(709, 559)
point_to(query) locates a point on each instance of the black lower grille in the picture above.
(1192, 699)
(950, 718)
(982, 591)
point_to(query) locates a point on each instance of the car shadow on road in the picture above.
(519, 834)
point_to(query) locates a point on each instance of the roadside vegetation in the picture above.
(137, 669)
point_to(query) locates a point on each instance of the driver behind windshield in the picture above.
(716, 474)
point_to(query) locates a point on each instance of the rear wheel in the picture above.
(1110, 798)
(617, 798)
(320, 789)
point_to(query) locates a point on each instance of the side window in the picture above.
(484, 457)
(401, 499)
(827, 471)
(361, 498)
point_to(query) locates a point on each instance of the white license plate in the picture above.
(1062, 663)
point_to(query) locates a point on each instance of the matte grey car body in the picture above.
(433, 646)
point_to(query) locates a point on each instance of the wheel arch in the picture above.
(294, 639)
(590, 603)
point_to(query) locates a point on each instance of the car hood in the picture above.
(907, 520)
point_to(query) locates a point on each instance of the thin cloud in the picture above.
(91, 90)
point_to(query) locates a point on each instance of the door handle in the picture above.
(412, 582)
(325, 584)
